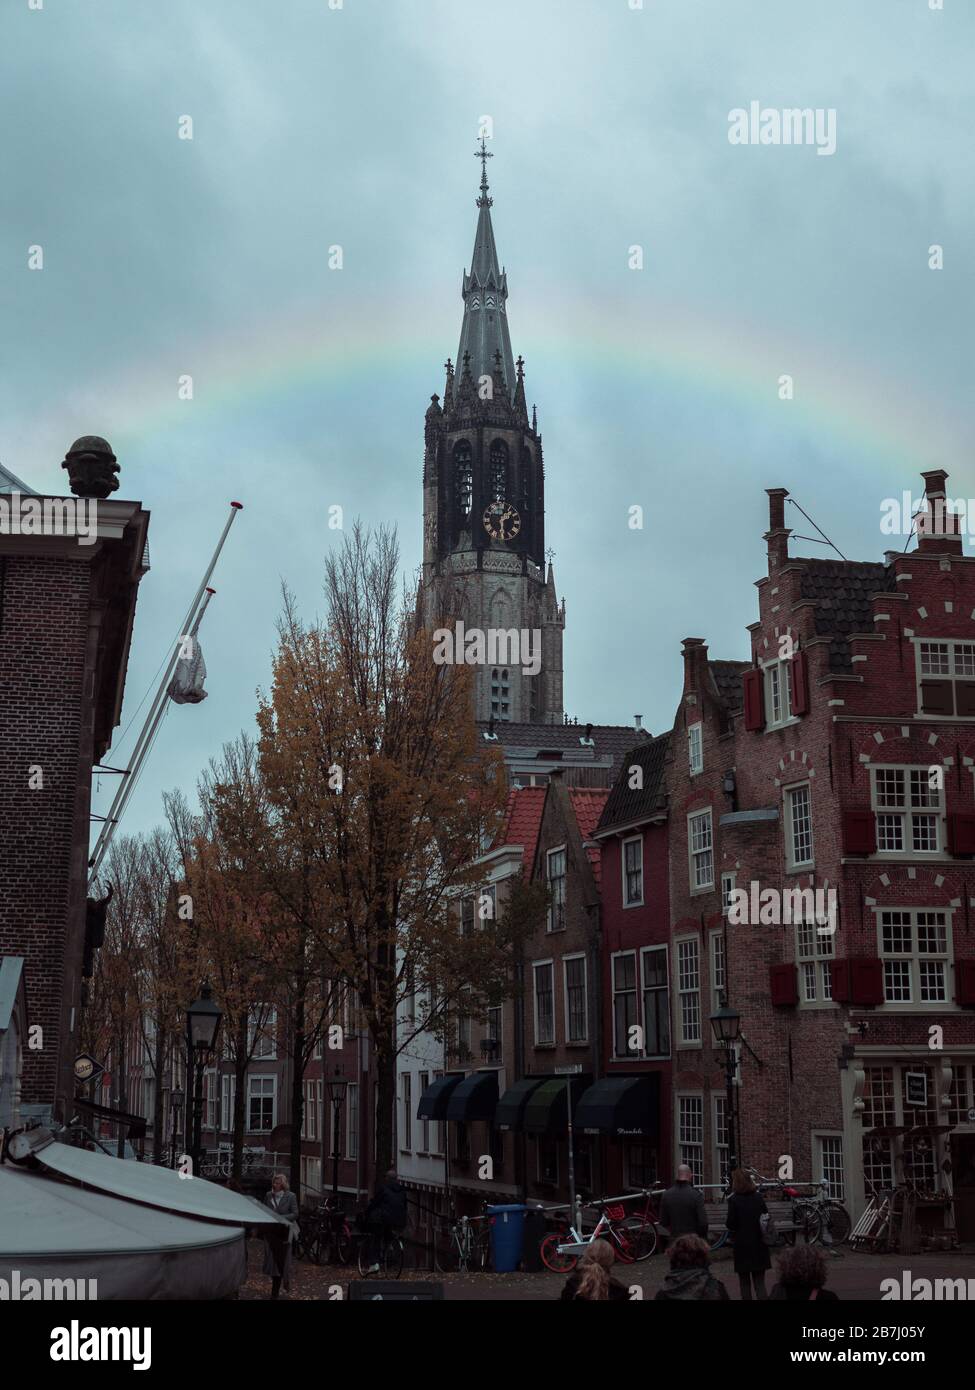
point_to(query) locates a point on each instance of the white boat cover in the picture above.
(52, 1232)
(155, 1186)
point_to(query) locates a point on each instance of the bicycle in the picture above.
(389, 1262)
(634, 1238)
(464, 1245)
(325, 1237)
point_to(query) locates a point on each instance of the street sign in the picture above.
(916, 1087)
(573, 1070)
(86, 1068)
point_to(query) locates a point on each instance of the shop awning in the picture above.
(476, 1098)
(510, 1113)
(433, 1102)
(621, 1105)
(546, 1112)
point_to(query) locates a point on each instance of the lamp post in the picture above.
(176, 1109)
(726, 1025)
(202, 1025)
(337, 1087)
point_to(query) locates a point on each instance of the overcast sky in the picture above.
(355, 126)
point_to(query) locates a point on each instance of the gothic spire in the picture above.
(484, 330)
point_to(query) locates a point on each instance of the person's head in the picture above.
(684, 1173)
(689, 1252)
(802, 1265)
(279, 1183)
(391, 1175)
(741, 1182)
(597, 1261)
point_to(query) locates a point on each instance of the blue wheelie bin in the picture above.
(507, 1231)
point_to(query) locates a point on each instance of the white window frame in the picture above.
(352, 1120)
(728, 882)
(695, 748)
(536, 966)
(818, 1167)
(642, 991)
(576, 955)
(627, 901)
(788, 793)
(680, 992)
(952, 674)
(906, 811)
(683, 1146)
(814, 965)
(251, 1079)
(266, 1035)
(704, 886)
(717, 948)
(719, 1101)
(555, 907)
(228, 1091)
(422, 1083)
(628, 1054)
(777, 680)
(914, 959)
(406, 1102)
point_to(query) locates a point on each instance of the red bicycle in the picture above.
(632, 1234)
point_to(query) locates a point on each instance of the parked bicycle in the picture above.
(325, 1236)
(387, 1263)
(632, 1235)
(816, 1216)
(462, 1246)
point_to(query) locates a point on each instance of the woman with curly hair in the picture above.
(689, 1276)
(802, 1274)
(592, 1281)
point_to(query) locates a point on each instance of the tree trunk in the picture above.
(240, 1097)
(297, 1084)
(385, 1058)
(158, 1110)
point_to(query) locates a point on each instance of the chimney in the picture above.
(638, 721)
(938, 531)
(695, 653)
(778, 533)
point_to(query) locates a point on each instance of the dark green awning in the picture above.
(510, 1112)
(546, 1112)
(433, 1102)
(621, 1105)
(476, 1097)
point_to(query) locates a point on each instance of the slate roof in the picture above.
(841, 590)
(726, 676)
(625, 805)
(588, 807)
(610, 740)
(9, 482)
(522, 821)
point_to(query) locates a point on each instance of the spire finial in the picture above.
(520, 364)
(484, 154)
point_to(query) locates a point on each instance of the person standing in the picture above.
(277, 1251)
(690, 1279)
(746, 1207)
(682, 1209)
(592, 1281)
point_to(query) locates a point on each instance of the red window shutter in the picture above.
(859, 832)
(965, 695)
(754, 690)
(866, 980)
(858, 980)
(799, 683)
(784, 984)
(936, 697)
(961, 832)
(965, 982)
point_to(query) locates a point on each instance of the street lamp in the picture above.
(176, 1103)
(726, 1026)
(202, 1025)
(337, 1087)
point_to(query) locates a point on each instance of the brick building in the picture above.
(66, 617)
(840, 760)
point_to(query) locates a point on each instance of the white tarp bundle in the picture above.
(186, 687)
(145, 1233)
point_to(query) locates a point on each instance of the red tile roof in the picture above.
(588, 807)
(522, 822)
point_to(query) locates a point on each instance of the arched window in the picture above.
(499, 470)
(463, 477)
(525, 482)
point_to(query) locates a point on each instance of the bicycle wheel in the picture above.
(364, 1259)
(643, 1241)
(392, 1260)
(551, 1259)
(342, 1246)
(717, 1239)
(837, 1223)
(446, 1255)
(810, 1226)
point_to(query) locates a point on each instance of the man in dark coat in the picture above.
(386, 1212)
(682, 1207)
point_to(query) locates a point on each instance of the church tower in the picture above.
(484, 556)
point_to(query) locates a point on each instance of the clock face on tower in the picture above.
(501, 521)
